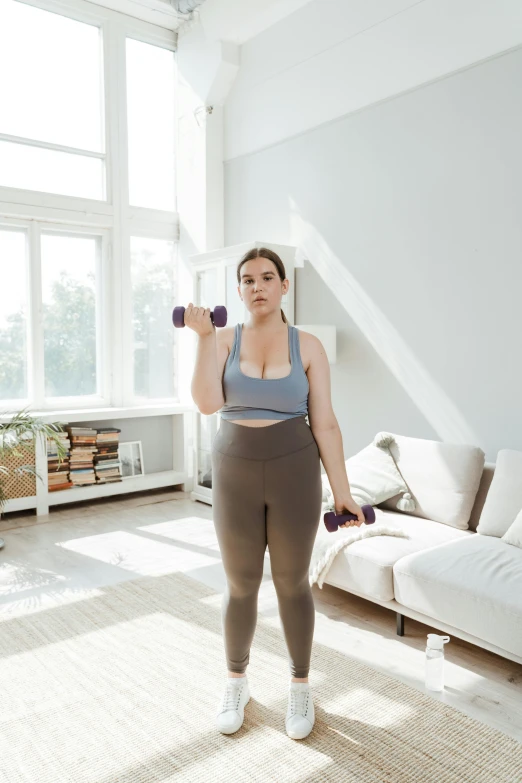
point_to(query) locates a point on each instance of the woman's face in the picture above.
(260, 281)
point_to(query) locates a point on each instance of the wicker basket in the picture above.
(19, 485)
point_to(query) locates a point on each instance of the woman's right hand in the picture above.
(198, 319)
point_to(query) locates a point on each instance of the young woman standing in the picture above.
(265, 377)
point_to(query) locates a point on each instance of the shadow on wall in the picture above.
(438, 409)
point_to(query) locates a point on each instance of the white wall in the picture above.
(333, 57)
(407, 206)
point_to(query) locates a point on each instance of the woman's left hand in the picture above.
(347, 504)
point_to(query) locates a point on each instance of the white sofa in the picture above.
(446, 574)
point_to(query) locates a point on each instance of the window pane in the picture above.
(69, 314)
(54, 89)
(236, 310)
(34, 168)
(150, 115)
(13, 315)
(154, 287)
(207, 288)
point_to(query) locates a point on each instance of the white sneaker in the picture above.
(300, 715)
(232, 709)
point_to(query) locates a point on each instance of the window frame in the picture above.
(114, 220)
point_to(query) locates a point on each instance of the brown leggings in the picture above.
(266, 490)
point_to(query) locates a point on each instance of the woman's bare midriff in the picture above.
(255, 422)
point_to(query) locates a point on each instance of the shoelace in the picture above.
(232, 696)
(298, 702)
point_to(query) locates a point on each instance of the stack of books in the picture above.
(83, 449)
(58, 473)
(107, 460)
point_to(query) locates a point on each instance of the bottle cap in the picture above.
(437, 642)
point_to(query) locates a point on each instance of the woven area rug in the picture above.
(122, 686)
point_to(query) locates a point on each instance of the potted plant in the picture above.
(19, 433)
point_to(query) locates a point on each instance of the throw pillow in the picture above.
(372, 475)
(513, 534)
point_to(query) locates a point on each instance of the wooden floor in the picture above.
(81, 547)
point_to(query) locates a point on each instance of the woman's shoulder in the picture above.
(309, 345)
(306, 338)
(225, 336)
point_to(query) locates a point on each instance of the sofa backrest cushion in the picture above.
(443, 478)
(504, 499)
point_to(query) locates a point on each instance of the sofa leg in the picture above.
(400, 624)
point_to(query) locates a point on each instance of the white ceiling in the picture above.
(226, 20)
(158, 12)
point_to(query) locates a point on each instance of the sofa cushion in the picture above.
(504, 499)
(513, 534)
(473, 583)
(442, 477)
(366, 566)
(372, 475)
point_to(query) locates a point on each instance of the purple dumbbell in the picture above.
(218, 316)
(333, 520)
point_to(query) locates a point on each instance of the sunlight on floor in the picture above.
(137, 554)
(379, 710)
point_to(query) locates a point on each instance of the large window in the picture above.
(51, 103)
(88, 221)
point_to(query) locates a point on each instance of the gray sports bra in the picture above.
(265, 398)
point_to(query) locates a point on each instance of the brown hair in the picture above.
(264, 252)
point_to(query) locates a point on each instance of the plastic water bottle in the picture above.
(434, 677)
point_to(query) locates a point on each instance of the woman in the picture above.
(266, 473)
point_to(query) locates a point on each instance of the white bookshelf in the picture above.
(178, 417)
